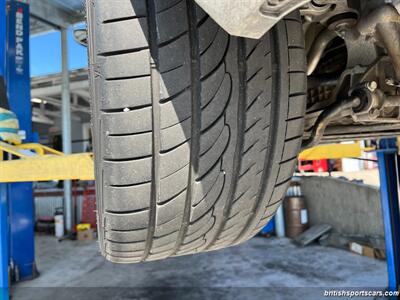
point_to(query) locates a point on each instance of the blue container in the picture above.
(269, 228)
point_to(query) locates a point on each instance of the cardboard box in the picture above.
(367, 251)
(82, 226)
(85, 235)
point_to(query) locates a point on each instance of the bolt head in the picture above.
(372, 86)
(374, 113)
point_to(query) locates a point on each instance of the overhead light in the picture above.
(38, 101)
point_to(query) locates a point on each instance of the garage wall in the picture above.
(351, 208)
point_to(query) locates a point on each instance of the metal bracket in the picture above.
(249, 18)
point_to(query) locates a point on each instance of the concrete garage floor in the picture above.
(272, 267)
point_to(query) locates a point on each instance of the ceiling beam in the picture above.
(46, 12)
(56, 89)
(84, 94)
(57, 103)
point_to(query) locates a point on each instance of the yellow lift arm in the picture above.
(40, 163)
(332, 151)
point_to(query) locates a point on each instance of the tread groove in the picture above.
(195, 78)
(253, 101)
(119, 52)
(125, 109)
(155, 92)
(122, 19)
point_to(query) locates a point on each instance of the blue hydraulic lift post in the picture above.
(4, 238)
(388, 161)
(20, 195)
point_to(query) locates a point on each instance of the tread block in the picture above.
(201, 232)
(122, 260)
(209, 200)
(255, 63)
(192, 245)
(127, 198)
(175, 135)
(168, 228)
(291, 148)
(165, 249)
(121, 9)
(294, 128)
(214, 56)
(208, 159)
(127, 122)
(165, 240)
(177, 110)
(126, 65)
(210, 136)
(174, 54)
(298, 83)
(127, 172)
(126, 221)
(127, 93)
(296, 107)
(174, 82)
(212, 84)
(294, 40)
(133, 248)
(126, 236)
(232, 232)
(127, 147)
(200, 223)
(215, 109)
(286, 170)
(172, 22)
(202, 187)
(167, 212)
(110, 11)
(278, 193)
(134, 31)
(207, 34)
(174, 160)
(174, 184)
(297, 60)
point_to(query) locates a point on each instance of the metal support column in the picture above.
(66, 127)
(388, 159)
(4, 238)
(20, 195)
(4, 242)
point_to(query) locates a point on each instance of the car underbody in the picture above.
(353, 61)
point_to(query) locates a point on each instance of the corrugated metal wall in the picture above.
(45, 205)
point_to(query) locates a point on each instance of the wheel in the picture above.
(196, 133)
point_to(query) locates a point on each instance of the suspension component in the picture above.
(383, 24)
(335, 111)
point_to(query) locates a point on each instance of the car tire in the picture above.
(196, 133)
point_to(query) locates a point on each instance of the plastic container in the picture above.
(269, 228)
(59, 222)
